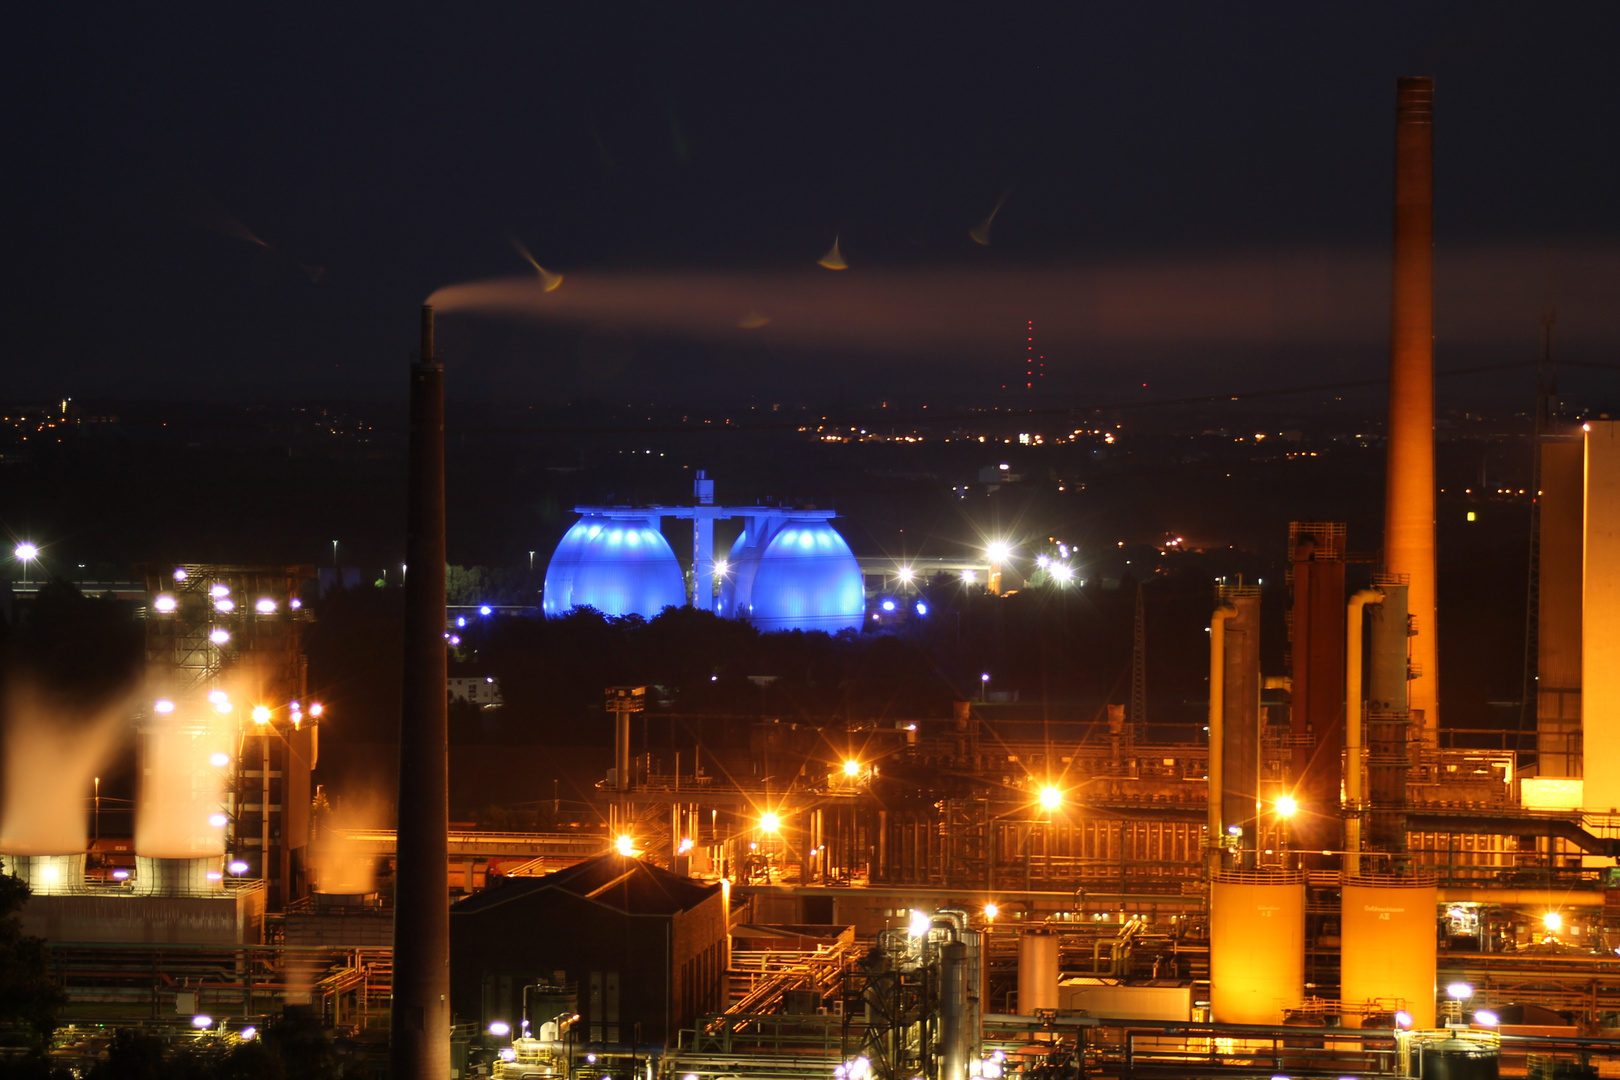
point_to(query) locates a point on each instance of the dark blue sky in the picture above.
(250, 200)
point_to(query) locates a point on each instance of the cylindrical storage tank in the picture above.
(48, 875)
(1387, 934)
(1448, 1057)
(1037, 971)
(807, 579)
(177, 877)
(619, 566)
(1256, 946)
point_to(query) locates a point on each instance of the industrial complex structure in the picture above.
(1331, 883)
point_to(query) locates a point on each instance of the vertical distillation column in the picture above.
(1388, 721)
(703, 545)
(419, 1045)
(1409, 482)
(1240, 721)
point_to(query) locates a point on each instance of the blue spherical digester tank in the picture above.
(802, 577)
(619, 566)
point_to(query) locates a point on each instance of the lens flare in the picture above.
(834, 259)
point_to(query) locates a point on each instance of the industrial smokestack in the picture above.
(419, 1047)
(1409, 485)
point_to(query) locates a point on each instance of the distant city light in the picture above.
(265, 606)
(27, 552)
(1051, 798)
(625, 845)
(261, 714)
(163, 705)
(219, 635)
(455, 639)
(461, 620)
(164, 603)
(217, 820)
(219, 759)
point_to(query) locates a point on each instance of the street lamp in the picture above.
(984, 686)
(26, 553)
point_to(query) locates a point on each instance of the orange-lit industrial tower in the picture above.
(1409, 486)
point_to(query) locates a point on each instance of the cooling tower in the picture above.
(799, 575)
(48, 875)
(619, 566)
(177, 877)
(1256, 946)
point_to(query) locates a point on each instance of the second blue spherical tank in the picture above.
(804, 578)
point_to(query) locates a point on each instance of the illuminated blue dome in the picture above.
(804, 578)
(619, 566)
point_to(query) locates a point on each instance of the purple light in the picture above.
(120, 875)
(237, 866)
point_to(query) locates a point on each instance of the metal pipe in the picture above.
(953, 1011)
(1513, 826)
(1553, 898)
(1409, 480)
(419, 1043)
(1217, 715)
(1352, 726)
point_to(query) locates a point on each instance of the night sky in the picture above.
(249, 201)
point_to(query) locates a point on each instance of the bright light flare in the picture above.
(217, 820)
(1553, 921)
(248, 1034)
(1459, 991)
(969, 577)
(770, 822)
(1286, 806)
(508, 1053)
(219, 635)
(1403, 1019)
(265, 606)
(218, 590)
(920, 924)
(1051, 798)
(219, 759)
(180, 573)
(261, 714)
(163, 705)
(164, 603)
(625, 845)
(500, 1029)
(237, 866)
(1062, 573)
(998, 551)
(316, 708)
(225, 604)
(1486, 1018)
(991, 911)
(218, 697)
(905, 574)
(852, 767)
(202, 1022)
(27, 552)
